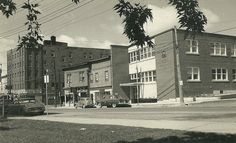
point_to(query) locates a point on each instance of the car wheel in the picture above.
(99, 105)
(113, 105)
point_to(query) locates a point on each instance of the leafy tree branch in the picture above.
(33, 38)
(135, 16)
(8, 7)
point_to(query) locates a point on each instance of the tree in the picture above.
(135, 16)
(32, 39)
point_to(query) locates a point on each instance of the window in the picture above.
(106, 76)
(219, 74)
(90, 57)
(193, 47)
(142, 53)
(154, 75)
(70, 55)
(193, 74)
(150, 76)
(233, 50)
(131, 57)
(81, 76)
(53, 54)
(142, 77)
(96, 77)
(146, 76)
(218, 49)
(234, 74)
(68, 78)
(91, 78)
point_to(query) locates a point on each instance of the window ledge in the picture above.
(233, 56)
(220, 80)
(190, 53)
(193, 80)
(218, 55)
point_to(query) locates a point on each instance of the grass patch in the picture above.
(29, 131)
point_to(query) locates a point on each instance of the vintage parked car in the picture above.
(112, 103)
(108, 102)
(30, 106)
(21, 106)
(84, 103)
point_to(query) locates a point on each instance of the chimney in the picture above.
(53, 39)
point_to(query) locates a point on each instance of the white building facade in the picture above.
(142, 71)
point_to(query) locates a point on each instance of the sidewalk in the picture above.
(198, 126)
(165, 103)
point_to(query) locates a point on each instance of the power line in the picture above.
(16, 29)
(79, 20)
(17, 32)
(67, 12)
(225, 29)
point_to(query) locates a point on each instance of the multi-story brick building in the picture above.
(24, 70)
(99, 78)
(26, 67)
(207, 64)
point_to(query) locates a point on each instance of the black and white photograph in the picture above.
(117, 71)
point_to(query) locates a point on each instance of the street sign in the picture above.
(46, 78)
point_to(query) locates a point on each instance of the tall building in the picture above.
(26, 67)
(24, 70)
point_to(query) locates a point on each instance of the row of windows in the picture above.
(86, 55)
(16, 54)
(15, 75)
(95, 77)
(16, 65)
(147, 76)
(142, 53)
(216, 48)
(218, 74)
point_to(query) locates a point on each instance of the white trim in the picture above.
(218, 48)
(190, 46)
(221, 75)
(192, 74)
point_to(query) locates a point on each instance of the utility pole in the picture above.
(3, 107)
(137, 78)
(46, 81)
(55, 81)
(180, 81)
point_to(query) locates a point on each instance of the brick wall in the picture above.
(165, 63)
(120, 70)
(206, 62)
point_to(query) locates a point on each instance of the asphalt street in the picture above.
(218, 116)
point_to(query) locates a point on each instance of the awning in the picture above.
(131, 84)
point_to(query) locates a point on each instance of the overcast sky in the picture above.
(94, 24)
